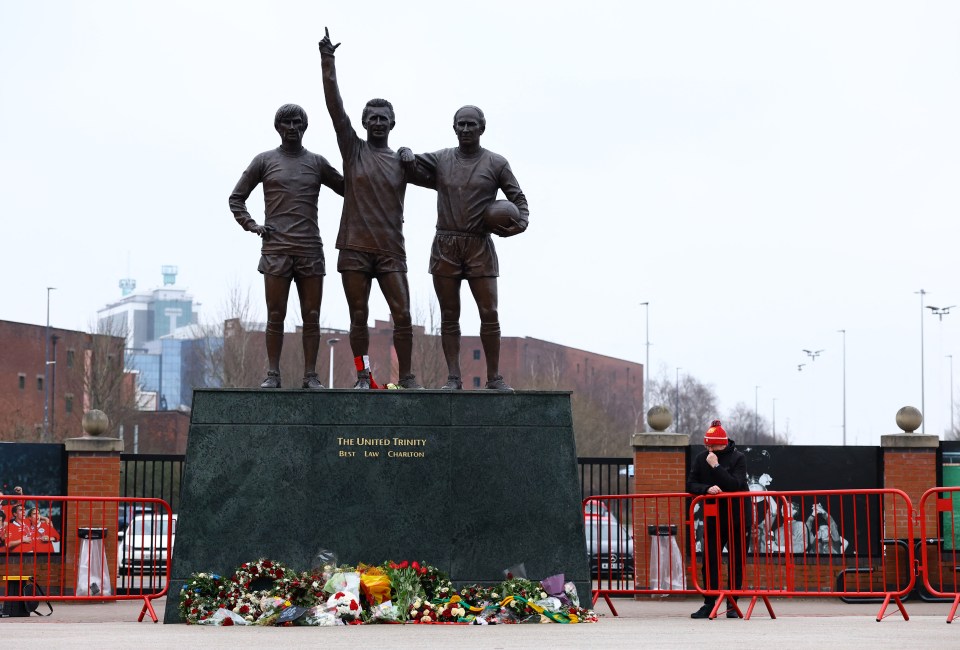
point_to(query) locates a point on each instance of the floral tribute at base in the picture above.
(266, 592)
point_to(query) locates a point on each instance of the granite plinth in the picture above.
(472, 482)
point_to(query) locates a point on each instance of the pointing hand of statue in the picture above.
(326, 45)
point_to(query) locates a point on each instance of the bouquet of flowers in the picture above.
(422, 611)
(306, 589)
(452, 612)
(346, 606)
(436, 584)
(405, 585)
(374, 583)
(529, 592)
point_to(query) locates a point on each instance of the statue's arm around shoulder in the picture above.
(416, 170)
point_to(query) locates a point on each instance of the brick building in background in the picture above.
(607, 392)
(85, 371)
(25, 387)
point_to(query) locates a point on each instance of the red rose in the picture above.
(227, 621)
(244, 609)
(194, 610)
(404, 564)
(415, 565)
(267, 564)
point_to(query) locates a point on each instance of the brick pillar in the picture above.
(910, 465)
(93, 470)
(659, 465)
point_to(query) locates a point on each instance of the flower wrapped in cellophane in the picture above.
(346, 606)
(374, 583)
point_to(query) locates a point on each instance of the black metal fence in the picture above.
(155, 476)
(605, 476)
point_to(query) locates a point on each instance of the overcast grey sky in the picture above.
(762, 173)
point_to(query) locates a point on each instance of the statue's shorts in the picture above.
(463, 255)
(374, 264)
(292, 266)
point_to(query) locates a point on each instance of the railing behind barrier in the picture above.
(806, 543)
(634, 544)
(60, 548)
(940, 532)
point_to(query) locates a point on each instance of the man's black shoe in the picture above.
(703, 612)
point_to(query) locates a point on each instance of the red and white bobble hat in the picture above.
(715, 435)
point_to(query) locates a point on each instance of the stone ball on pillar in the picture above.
(909, 419)
(95, 423)
(659, 418)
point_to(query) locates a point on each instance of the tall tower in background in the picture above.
(157, 325)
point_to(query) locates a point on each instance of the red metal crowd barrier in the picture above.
(844, 543)
(634, 542)
(59, 548)
(805, 543)
(940, 532)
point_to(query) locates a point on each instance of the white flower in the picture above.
(495, 596)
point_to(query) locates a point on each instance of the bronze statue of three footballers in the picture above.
(370, 240)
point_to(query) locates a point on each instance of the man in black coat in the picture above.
(721, 468)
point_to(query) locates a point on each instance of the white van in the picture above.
(144, 546)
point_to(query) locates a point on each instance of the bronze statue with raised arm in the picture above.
(292, 249)
(371, 226)
(467, 179)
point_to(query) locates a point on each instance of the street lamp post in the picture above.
(331, 343)
(677, 400)
(774, 418)
(923, 409)
(952, 429)
(844, 332)
(646, 364)
(46, 372)
(53, 381)
(756, 412)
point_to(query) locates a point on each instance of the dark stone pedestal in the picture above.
(471, 482)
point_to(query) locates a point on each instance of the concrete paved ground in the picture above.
(651, 623)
